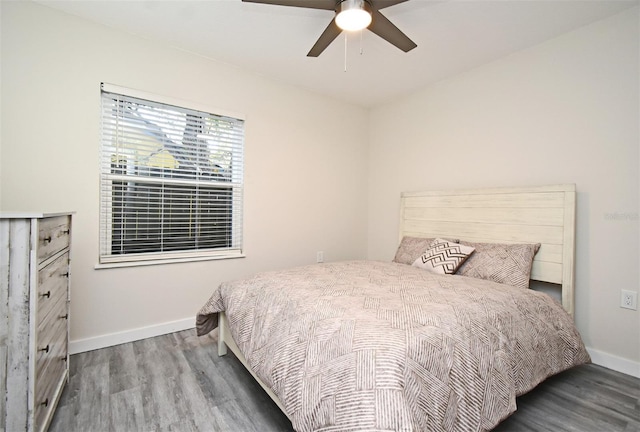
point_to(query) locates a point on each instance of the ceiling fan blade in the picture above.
(384, 28)
(311, 4)
(328, 35)
(381, 4)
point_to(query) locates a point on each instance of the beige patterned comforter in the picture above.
(374, 346)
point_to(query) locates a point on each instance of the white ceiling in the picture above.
(452, 36)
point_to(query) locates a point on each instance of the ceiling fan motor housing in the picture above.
(344, 5)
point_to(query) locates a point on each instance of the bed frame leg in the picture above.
(222, 328)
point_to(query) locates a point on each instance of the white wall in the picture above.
(565, 111)
(305, 187)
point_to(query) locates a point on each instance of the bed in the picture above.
(380, 346)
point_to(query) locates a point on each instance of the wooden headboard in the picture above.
(544, 215)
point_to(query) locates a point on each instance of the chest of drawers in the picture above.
(34, 317)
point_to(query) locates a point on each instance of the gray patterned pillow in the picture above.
(503, 263)
(443, 257)
(411, 248)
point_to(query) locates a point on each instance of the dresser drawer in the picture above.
(43, 411)
(53, 236)
(51, 345)
(52, 288)
(51, 370)
(55, 316)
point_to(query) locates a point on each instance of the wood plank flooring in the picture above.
(177, 382)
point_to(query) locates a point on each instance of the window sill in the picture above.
(102, 266)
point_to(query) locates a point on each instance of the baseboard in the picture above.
(615, 363)
(104, 341)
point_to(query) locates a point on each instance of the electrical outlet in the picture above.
(319, 256)
(629, 300)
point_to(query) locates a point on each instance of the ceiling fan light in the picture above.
(353, 15)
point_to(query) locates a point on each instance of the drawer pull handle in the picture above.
(45, 349)
(65, 232)
(46, 402)
(65, 316)
(47, 294)
(65, 274)
(47, 239)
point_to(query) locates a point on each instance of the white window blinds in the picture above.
(171, 181)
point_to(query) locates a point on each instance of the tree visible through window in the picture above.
(171, 181)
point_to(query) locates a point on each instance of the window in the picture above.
(171, 181)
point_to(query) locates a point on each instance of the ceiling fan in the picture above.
(351, 15)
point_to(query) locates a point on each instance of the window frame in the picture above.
(106, 259)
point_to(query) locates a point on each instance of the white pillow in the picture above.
(443, 257)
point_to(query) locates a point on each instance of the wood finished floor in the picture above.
(177, 382)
